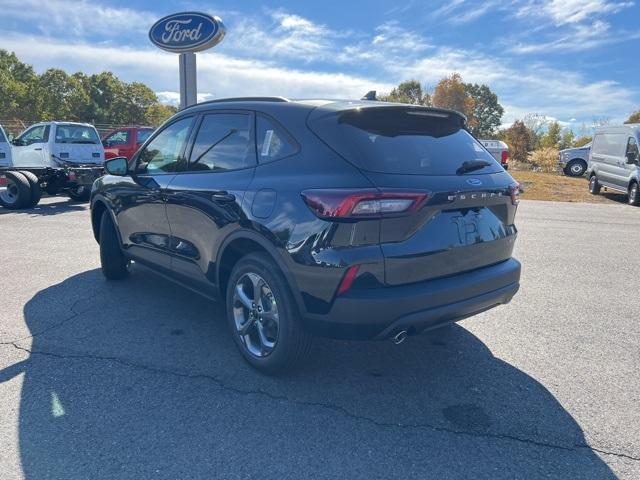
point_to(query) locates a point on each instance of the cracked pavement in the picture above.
(139, 379)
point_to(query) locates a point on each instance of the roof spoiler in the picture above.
(370, 95)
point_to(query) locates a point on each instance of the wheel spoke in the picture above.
(267, 345)
(258, 283)
(244, 299)
(244, 328)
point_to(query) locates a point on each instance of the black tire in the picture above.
(292, 342)
(575, 168)
(79, 194)
(594, 185)
(36, 190)
(115, 266)
(17, 194)
(634, 194)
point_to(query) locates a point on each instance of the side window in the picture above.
(273, 142)
(38, 134)
(118, 138)
(632, 147)
(163, 154)
(143, 135)
(223, 143)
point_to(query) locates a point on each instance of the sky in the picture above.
(570, 60)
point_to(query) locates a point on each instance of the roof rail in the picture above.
(246, 99)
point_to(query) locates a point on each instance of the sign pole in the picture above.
(188, 80)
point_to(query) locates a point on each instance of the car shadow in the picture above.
(140, 379)
(49, 206)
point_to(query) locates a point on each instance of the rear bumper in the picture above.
(383, 312)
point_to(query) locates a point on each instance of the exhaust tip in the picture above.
(400, 337)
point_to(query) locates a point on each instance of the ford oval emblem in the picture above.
(187, 32)
(474, 181)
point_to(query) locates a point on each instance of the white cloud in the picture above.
(563, 12)
(75, 17)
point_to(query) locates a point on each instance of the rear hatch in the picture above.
(466, 221)
(77, 144)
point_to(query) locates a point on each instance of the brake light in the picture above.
(347, 280)
(505, 157)
(514, 191)
(3, 181)
(354, 204)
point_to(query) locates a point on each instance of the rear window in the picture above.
(76, 134)
(143, 135)
(401, 140)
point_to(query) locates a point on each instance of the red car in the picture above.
(124, 142)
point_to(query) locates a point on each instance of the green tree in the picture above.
(486, 114)
(518, 137)
(582, 141)
(17, 81)
(409, 91)
(567, 138)
(633, 118)
(158, 113)
(551, 139)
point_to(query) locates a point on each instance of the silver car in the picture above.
(573, 161)
(613, 161)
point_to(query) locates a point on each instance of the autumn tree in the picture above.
(551, 138)
(518, 137)
(633, 118)
(451, 93)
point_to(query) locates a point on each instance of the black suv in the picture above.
(348, 219)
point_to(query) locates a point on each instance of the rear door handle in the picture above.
(223, 197)
(38, 149)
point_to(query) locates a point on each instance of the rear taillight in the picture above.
(514, 191)
(356, 204)
(3, 181)
(505, 157)
(347, 280)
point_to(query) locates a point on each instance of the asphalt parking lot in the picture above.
(139, 379)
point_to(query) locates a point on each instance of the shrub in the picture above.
(546, 159)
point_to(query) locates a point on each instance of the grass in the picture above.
(560, 188)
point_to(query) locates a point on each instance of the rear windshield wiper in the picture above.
(472, 165)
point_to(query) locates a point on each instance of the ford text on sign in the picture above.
(187, 32)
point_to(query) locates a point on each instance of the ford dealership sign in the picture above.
(187, 32)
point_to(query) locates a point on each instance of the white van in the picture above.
(52, 144)
(614, 160)
(5, 149)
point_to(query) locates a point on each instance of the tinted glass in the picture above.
(38, 134)
(163, 154)
(143, 135)
(76, 134)
(118, 138)
(401, 140)
(3, 139)
(223, 143)
(273, 142)
(612, 144)
(632, 146)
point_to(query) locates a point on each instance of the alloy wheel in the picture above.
(10, 194)
(255, 313)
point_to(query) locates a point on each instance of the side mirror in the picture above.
(632, 157)
(118, 166)
(17, 142)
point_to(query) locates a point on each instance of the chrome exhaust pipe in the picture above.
(399, 337)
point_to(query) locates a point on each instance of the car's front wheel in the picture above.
(576, 168)
(80, 193)
(594, 185)
(263, 316)
(634, 194)
(115, 266)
